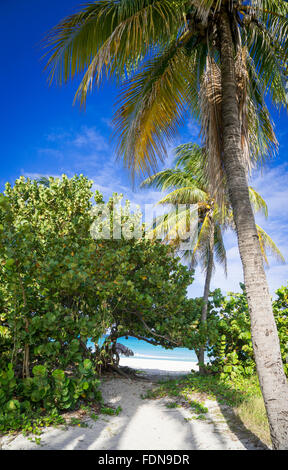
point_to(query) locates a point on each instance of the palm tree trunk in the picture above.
(265, 339)
(201, 351)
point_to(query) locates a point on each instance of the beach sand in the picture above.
(144, 424)
(159, 366)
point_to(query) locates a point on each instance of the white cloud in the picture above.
(90, 138)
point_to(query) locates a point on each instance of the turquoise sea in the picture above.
(144, 350)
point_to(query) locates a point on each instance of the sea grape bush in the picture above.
(280, 308)
(59, 391)
(46, 261)
(231, 352)
(60, 287)
(44, 392)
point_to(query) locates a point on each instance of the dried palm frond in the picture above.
(257, 129)
(243, 106)
(210, 105)
(211, 125)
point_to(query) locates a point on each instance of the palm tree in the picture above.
(163, 51)
(188, 185)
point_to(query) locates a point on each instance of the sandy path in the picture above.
(143, 425)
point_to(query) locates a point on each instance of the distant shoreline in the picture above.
(160, 358)
(144, 350)
(159, 366)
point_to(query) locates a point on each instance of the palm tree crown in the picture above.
(187, 183)
(164, 51)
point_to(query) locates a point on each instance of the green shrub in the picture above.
(61, 286)
(44, 395)
(231, 351)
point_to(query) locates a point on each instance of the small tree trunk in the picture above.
(201, 351)
(26, 355)
(265, 339)
(26, 371)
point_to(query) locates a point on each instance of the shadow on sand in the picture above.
(147, 425)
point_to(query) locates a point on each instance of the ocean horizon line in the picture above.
(162, 358)
(144, 350)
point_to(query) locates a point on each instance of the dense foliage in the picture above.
(60, 287)
(230, 345)
(65, 282)
(37, 400)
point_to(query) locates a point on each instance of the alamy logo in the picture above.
(173, 223)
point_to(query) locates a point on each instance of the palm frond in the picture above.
(190, 156)
(188, 195)
(267, 245)
(268, 49)
(219, 247)
(204, 7)
(203, 234)
(151, 109)
(173, 226)
(167, 179)
(258, 203)
(108, 37)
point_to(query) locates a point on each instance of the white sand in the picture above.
(144, 424)
(158, 366)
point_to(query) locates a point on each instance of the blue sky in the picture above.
(43, 134)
